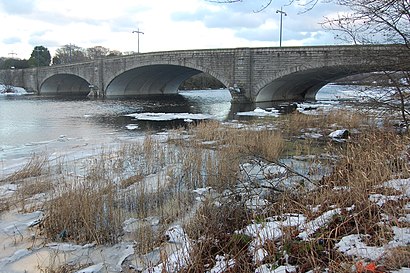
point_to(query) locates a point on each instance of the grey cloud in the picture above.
(12, 40)
(18, 7)
(299, 24)
(220, 19)
(257, 35)
(241, 15)
(273, 34)
(233, 20)
(37, 39)
(119, 24)
(43, 42)
(123, 24)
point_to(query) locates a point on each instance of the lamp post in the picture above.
(280, 33)
(138, 33)
(70, 53)
(12, 54)
(38, 56)
(37, 50)
(12, 57)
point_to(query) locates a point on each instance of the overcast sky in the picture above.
(167, 25)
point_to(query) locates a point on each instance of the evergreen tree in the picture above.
(39, 57)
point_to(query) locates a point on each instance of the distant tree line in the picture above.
(375, 79)
(40, 56)
(74, 54)
(201, 81)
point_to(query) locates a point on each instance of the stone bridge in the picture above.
(251, 74)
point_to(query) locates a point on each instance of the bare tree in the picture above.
(69, 54)
(309, 4)
(380, 22)
(370, 21)
(97, 52)
(113, 53)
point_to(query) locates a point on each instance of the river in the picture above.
(33, 124)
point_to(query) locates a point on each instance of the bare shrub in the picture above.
(365, 162)
(397, 258)
(213, 229)
(368, 160)
(84, 213)
(220, 162)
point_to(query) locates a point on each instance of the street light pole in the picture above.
(280, 33)
(37, 50)
(38, 56)
(70, 54)
(138, 33)
(12, 54)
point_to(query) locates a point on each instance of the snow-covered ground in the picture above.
(23, 250)
(17, 91)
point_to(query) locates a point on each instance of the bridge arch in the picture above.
(60, 84)
(301, 83)
(153, 79)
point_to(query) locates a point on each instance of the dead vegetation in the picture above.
(156, 179)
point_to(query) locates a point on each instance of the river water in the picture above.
(32, 124)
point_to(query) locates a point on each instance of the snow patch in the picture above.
(168, 116)
(258, 112)
(310, 227)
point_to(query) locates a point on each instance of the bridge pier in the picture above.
(238, 96)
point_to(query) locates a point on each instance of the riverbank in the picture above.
(277, 193)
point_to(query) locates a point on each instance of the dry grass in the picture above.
(157, 179)
(365, 162)
(30, 187)
(84, 213)
(146, 239)
(4, 205)
(131, 181)
(241, 142)
(33, 168)
(65, 268)
(397, 258)
(294, 123)
(92, 209)
(214, 229)
(219, 150)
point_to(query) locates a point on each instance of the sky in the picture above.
(167, 25)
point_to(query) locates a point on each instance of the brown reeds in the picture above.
(34, 167)
(363, 163)
(85, 213)
(368, 160)
(156, 179)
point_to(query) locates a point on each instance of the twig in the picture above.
(289, 169)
